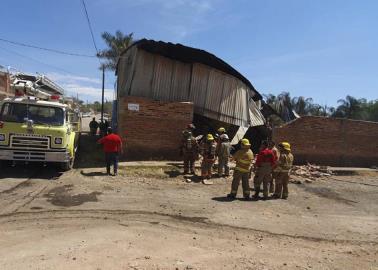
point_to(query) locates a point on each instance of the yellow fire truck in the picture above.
(36, 125)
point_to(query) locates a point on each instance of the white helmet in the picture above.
(224, 137)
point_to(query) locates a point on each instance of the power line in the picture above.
(44, 49)
(89, 25)
(38, 61)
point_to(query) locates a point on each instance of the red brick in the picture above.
(153, 132)
(331, 141)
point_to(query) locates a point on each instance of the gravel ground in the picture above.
(151, 218)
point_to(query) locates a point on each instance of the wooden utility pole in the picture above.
(103, 90)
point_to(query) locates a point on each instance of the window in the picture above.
(44, 115)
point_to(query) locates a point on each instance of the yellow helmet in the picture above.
(221, 130)
(286, 146)
(210, 137)
(245, 142)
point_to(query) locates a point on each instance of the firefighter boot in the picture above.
(256, 195)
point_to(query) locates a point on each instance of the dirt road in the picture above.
(150, 218)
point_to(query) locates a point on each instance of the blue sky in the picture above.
(320, 49)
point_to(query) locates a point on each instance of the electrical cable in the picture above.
(45, 49)
(38, 61)
(89, 25)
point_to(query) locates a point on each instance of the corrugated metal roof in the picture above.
(215, 94)
(190, 55)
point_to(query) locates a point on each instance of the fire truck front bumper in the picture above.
(37, 156)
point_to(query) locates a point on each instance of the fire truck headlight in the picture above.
(2, 137)
(58, 141)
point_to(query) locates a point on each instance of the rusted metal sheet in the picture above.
(198, 87)
(255, 115)
(214, 94)
(162, 79)
(126, 67)
(142, 75)
(180, 86)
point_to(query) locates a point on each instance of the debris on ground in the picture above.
(312, 172)
(207, 182)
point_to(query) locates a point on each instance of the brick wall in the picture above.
(153, 132)
(330, 141)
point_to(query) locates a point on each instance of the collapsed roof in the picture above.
(176, 73)
(190, 55)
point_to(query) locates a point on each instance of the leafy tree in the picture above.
(116, 45)
(371, 109)
(350, 107)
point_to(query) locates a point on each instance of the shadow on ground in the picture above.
(89, 154)
(89, 174)
(173, 173)
(32, 170)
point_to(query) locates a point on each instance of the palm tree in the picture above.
(270, 99)
(282, 104)
(349, 107)
(302, 105)
(116, 45)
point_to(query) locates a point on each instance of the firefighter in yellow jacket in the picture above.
(285, 162)
(243, 158)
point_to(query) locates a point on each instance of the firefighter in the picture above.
(285, 162)
(243, 158)
(276, 154)
(223, 156)
(189, 151)
(263, 170)
(208, 149)
(220, 131)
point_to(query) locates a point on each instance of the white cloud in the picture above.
(87, 88)
(88, 91)
(71, 78)
(182, 18)
(175, 19)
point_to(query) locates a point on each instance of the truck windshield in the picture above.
(44, 115)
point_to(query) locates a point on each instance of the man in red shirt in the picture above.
(263, 170)
(112, 147)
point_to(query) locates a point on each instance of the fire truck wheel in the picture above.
(66, 166)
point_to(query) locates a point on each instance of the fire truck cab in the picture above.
(35, 130)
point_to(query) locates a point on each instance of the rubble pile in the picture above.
(311, 171)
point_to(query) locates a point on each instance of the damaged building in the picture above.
(161, 87)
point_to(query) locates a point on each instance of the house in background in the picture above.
(162, 87)
(5, 90)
